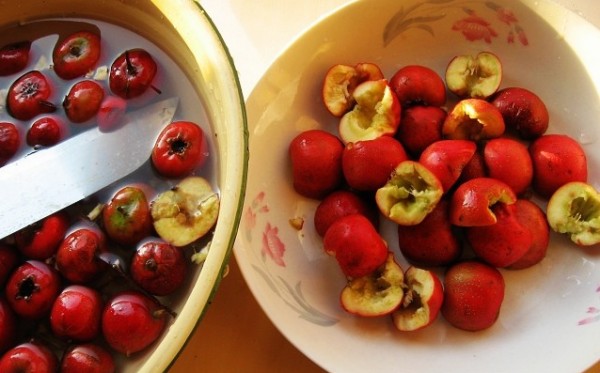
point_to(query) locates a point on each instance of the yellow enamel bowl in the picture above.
(184, 31)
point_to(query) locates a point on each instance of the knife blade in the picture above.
(51, 179)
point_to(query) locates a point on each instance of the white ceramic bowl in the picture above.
(550, 319)
(183, 30)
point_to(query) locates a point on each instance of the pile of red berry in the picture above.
(94, 278)
(460, 182)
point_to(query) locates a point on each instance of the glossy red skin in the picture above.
(10, 141)
(532, 217)
(471, 202)
(111, 113)
(356, 245)
(473, 295)
(40, 240)
(8, 261)
(131, 73)
(83, 101)
(29, 358)
(339, 204)
(433, 242)
(523, 111)
(418, 85)
(14, 57)
(87, 357)
(29, 96)
(46, 131)
(447, 158)
(77, 54)
(316, 160)
(158, 267)
(75, 314)
(77, 256)
(131, 322)
(474, 168)
(126, 217)
(32, 288)
(420, 127)
(503, 243)
(367, 165)
(508, 160)
(8, 326)
(557, 159)
(180, 149)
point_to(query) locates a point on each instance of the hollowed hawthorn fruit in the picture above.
(186, 212)
(504, 242)
(508, 160)
(557, 159)
(339, 204)
(523, 111)
(433, 242)
(476, 76)
(356, 245)
(340, 82)
(411, 193)
(418, 85)
(447, 158)
(367, 164)
(376, 294)
(532, 217)
(574, 210)
(422, 300)
(316, 159)
(376, 113)
(473, 119)
(420, 126)
(32, 288)
(472, 201)
(473, 295)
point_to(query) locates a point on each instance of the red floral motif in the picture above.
(257, 206)
(272, 246)
(474, 28)
(506, 15)
(593, 311)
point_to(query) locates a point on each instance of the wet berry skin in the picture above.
(76, 312)
(158, 267)
(32, 289)
(29, 357)
(131, 321)
(87, 357)
(77, 256)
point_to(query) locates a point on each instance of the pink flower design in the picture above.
(474, 28)
(506, 16)
(257, 206)
(521, 35)
(272, 246)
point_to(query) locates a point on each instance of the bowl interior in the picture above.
(183, 31)
(542, 49)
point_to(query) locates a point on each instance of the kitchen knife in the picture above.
(51, 179)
